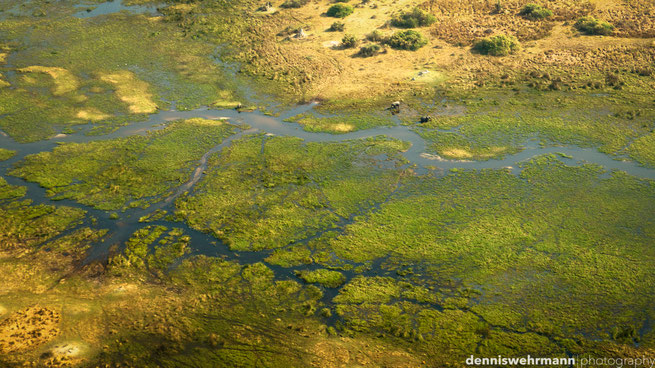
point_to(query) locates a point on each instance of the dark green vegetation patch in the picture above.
(593, 26)
(340, 11)
(535, 12)
(413, 19)
(407, 40)
(500, 45)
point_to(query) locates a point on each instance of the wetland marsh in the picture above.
(201, 184)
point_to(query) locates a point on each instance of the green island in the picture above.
(326, 183)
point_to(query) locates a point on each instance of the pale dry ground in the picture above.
(355, 77)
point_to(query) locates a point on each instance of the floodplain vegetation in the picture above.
(467, 60)
(127, 172)
(335, 254)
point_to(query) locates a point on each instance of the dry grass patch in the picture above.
(131, 90)
(64, 80)
(456, 153)
(348, 352)
(91, 114)
(205, 122)
(481, 154)
(27, 328)
(634, 18)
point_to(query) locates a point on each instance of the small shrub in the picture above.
(535, 12)
(375, 36)
(500, 45)
(498, 8)
(349, 41)
(340, 11)
(593, 26)
(407, 40)
(413, 19)
(337, 27)
(369, 50)
(294, 3)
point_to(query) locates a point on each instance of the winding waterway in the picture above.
(257, 122)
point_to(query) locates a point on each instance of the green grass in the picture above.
(476, 261)
(26, 225)
(124, 172)
(264, 193)
(494, 123)
(67, 74)
(6, 154)
(142, 254)
(643, 149)
(327, 278)
(534, 245)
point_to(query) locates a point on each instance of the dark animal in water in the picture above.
(395, 107)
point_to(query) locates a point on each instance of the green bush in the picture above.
(349, 41)
(500, 45)
(535, 12)
(369, 50)
(337, 27)
(593, 26)
(407, 40)
(375, 36)
(294, 3)
(413, 19)
(340, 11)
